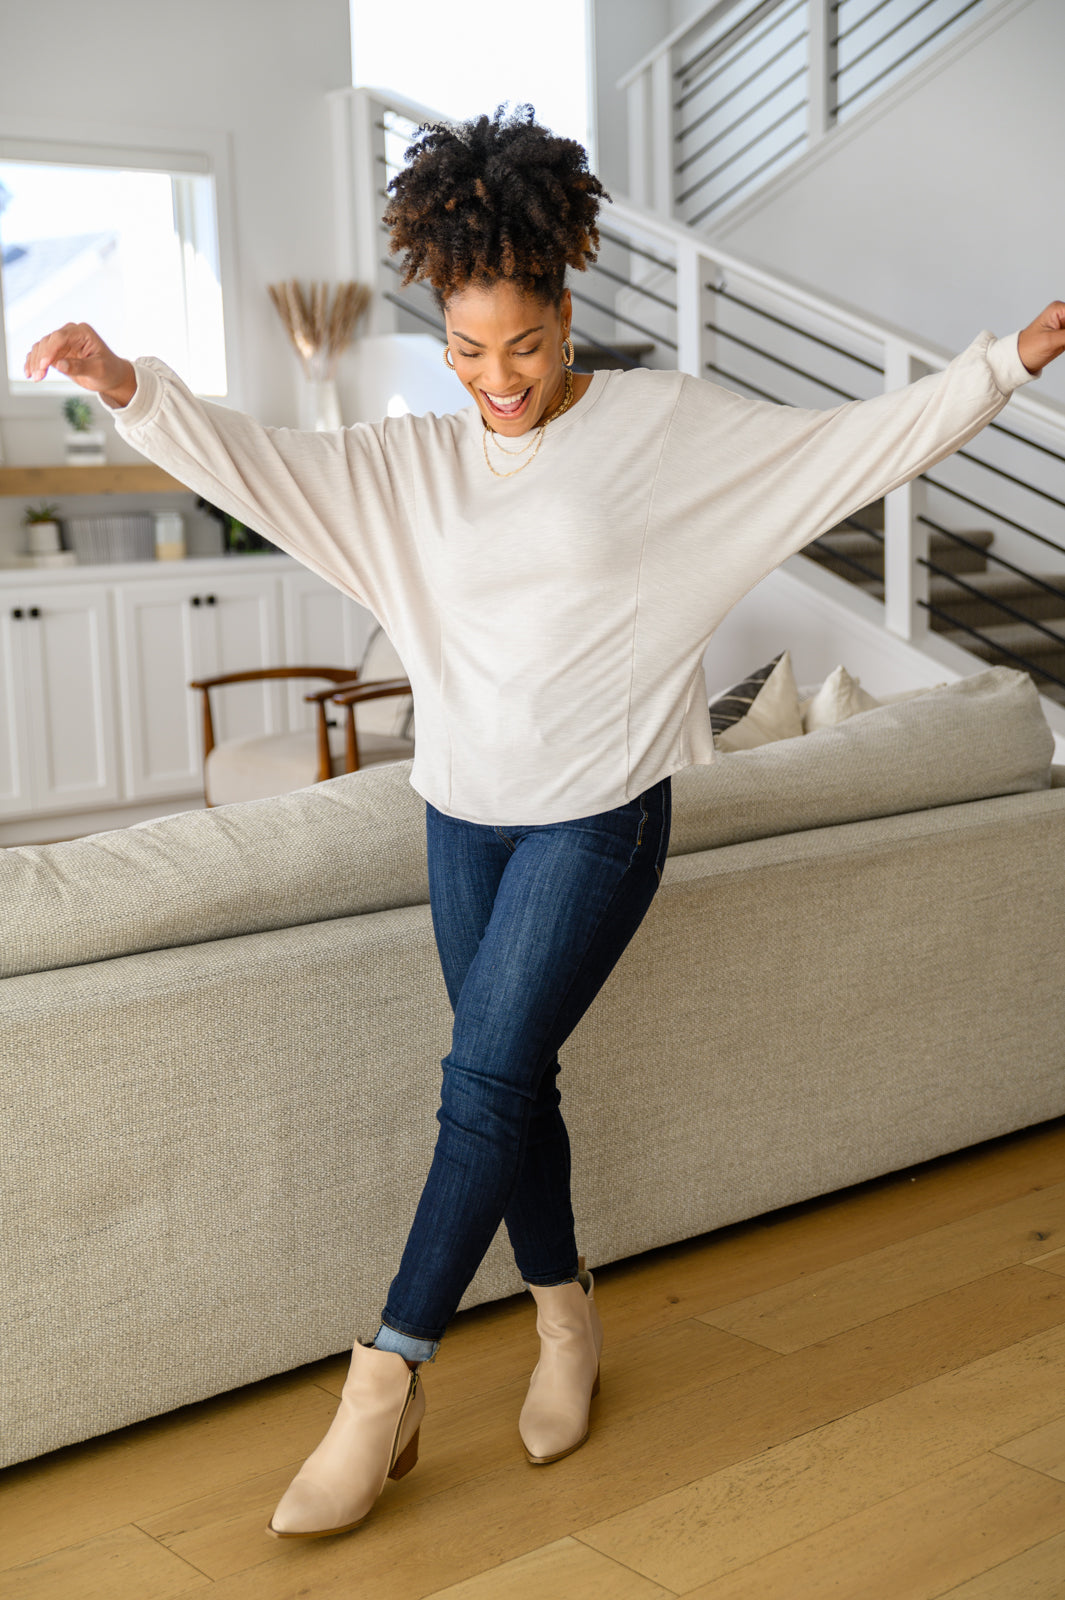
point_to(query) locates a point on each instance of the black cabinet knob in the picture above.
(35, 611)
(196, 600)
(211, 600)
(17, 613)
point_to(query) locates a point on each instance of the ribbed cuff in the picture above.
(146, 397)
(1007, 368)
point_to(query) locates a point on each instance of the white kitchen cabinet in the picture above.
(323, 628)
(58, 741)
(172, 630)
(96, 715)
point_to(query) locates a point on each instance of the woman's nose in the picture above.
(498, 375)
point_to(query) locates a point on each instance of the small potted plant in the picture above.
(43, 535)
(237, 538)
(84, 443)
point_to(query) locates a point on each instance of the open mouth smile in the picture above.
(507, 406)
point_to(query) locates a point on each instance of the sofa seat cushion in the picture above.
(968, 740)
(253, 769)
(348, 845)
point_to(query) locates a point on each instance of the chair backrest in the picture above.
(380, 660)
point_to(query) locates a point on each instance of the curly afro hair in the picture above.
(496, 197)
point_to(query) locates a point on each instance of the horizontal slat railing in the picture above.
(734, 97)
(999, 503)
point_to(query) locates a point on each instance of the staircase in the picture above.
(1007, 618)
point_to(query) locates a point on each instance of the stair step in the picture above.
(1018, 641)
(996, 584)
(872, 515)
(1018, 636)
(623, 353)
(869, 550)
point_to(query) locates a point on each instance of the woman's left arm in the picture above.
(783, 475)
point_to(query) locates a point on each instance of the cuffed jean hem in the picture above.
(405, 1345)
(550, 1283)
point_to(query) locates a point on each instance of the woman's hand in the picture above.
(1043, 339)
(78, 352)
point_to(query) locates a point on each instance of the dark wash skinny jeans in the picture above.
(529, 924)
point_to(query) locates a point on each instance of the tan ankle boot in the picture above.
(373, 1436)
(554, 1418)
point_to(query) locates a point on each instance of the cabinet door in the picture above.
(68, 679)
(171, 631)
(15, 791)
(240, 629)
(157, 628)
(323, 628)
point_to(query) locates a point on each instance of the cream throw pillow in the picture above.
(773, 712)
(839, 697)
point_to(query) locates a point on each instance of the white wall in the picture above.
(452, 62)
(620, 33)
(257, 71)
(940, 214)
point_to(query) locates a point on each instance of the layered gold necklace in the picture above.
(534, 443)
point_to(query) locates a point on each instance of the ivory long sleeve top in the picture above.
(553, 623)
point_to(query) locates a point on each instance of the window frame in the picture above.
(204, 153)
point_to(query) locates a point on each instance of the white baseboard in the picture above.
(51, 829)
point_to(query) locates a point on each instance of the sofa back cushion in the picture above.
(352, 844)
(357, 843)
(980, 736)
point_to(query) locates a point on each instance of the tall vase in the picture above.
(319, 405)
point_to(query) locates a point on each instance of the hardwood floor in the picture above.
(861, 1397)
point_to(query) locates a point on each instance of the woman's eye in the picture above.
(471, 355)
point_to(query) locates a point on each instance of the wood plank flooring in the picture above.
(861, 1397)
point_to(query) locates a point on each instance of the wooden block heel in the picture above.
(407, 1458)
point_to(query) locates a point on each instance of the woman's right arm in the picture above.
(336, 501)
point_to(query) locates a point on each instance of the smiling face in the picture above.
(507, 350)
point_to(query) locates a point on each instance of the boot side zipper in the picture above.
(411, 1391)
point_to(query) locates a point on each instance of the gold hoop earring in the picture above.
(447, 357)
(568, 360)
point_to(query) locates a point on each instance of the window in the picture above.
(125, 246)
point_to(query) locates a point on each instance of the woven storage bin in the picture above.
(127, 536)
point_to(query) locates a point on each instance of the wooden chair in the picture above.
(252, 769)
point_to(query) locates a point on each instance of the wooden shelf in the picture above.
(132, 478)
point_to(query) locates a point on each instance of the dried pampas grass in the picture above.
(320, 331)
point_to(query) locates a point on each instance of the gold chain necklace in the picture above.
(567, 401)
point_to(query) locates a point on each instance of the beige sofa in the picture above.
(220, 1035)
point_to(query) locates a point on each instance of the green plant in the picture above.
(237, 538)
(78, 413)
(45, 512)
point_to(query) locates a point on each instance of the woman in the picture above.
(550, 563)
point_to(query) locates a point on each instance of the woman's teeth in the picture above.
(502, 402)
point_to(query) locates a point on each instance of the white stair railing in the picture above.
(727, 101)
(662, 295)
